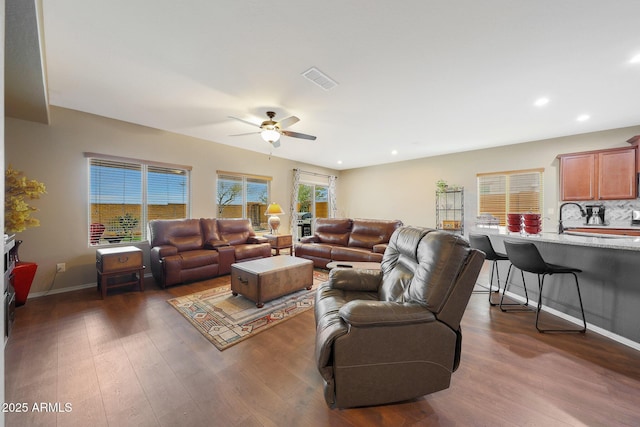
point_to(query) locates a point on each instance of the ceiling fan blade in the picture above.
(285, 123)
(245, 121)
(298, 135)
(242, 134)
(276, 144)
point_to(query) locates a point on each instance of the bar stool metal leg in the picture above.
(584, 321)
(506, 286)
(494, 267)
(483, 243)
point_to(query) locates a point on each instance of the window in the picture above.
(313, 201)
(243, 196)
(514, 191)
(125, 194)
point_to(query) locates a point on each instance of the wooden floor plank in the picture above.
(132, 359)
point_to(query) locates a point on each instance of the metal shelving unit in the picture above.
(450, 210)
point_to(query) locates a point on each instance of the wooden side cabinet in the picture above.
(119, 267)
(598, 175)
(280, 241)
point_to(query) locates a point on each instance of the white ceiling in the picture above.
(423, 77)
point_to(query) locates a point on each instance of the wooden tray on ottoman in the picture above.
(265, 279)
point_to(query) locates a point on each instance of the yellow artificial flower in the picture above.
(17, 212)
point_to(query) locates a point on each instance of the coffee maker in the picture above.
(595, 215)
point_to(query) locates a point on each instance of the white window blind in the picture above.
(126, 195)
(510, 192)
(167, 193)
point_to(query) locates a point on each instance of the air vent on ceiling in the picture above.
(320, 78)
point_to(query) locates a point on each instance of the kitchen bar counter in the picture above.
(609, 282)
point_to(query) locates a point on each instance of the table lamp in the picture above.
(273, 210)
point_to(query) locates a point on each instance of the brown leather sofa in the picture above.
(392, 335)
(345, 239)
(184, 250)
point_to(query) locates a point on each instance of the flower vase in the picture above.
(23, 275)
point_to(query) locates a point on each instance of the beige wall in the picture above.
(53, 154)
(406, 190)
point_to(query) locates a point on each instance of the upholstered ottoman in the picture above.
(265, 279)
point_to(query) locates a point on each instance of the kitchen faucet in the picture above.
(582, 213)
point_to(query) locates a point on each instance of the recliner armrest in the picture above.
(257, 239)
(215, 244)
(351, 279)
(380, 248)
(361, 313)
(164, 250)
(309, 239)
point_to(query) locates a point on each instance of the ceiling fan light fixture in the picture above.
(270, 134)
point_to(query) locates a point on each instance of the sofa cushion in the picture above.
(399, 263)
(235, 231)
(366, 233)
(318, 250)
(186, 243)
(209, 227)
(165, 232)
(333, 231)
(251, 251)
(198, 258)
(190, 259)
(340, 253)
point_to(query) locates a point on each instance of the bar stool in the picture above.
(483, 243)
(526, 257)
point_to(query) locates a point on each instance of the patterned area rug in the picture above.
(226, 320)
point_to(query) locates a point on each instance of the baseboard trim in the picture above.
(590, 328)
(69, 289)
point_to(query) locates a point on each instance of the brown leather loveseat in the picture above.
(184, 250)
(345, 239)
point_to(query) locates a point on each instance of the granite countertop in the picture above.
(607, 241)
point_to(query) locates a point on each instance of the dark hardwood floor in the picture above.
(132, 360)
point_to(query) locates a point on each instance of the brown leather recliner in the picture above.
(394, 335)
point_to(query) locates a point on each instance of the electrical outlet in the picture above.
(61, 267)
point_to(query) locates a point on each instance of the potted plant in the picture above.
(17, 218)
(441, 186)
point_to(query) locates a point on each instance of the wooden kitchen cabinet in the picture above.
(578, 177)
(617, 174)
(598, 175)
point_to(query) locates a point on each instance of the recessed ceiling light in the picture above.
(635, 59)
(339, 162)
(583, 117)
(541, 101)
(394, 152)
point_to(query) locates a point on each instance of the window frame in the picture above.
(244, 180)
(508, 194)
(145, 167)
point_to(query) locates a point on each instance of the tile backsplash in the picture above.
(617, 212)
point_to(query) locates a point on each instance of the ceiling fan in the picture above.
(272, 130)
